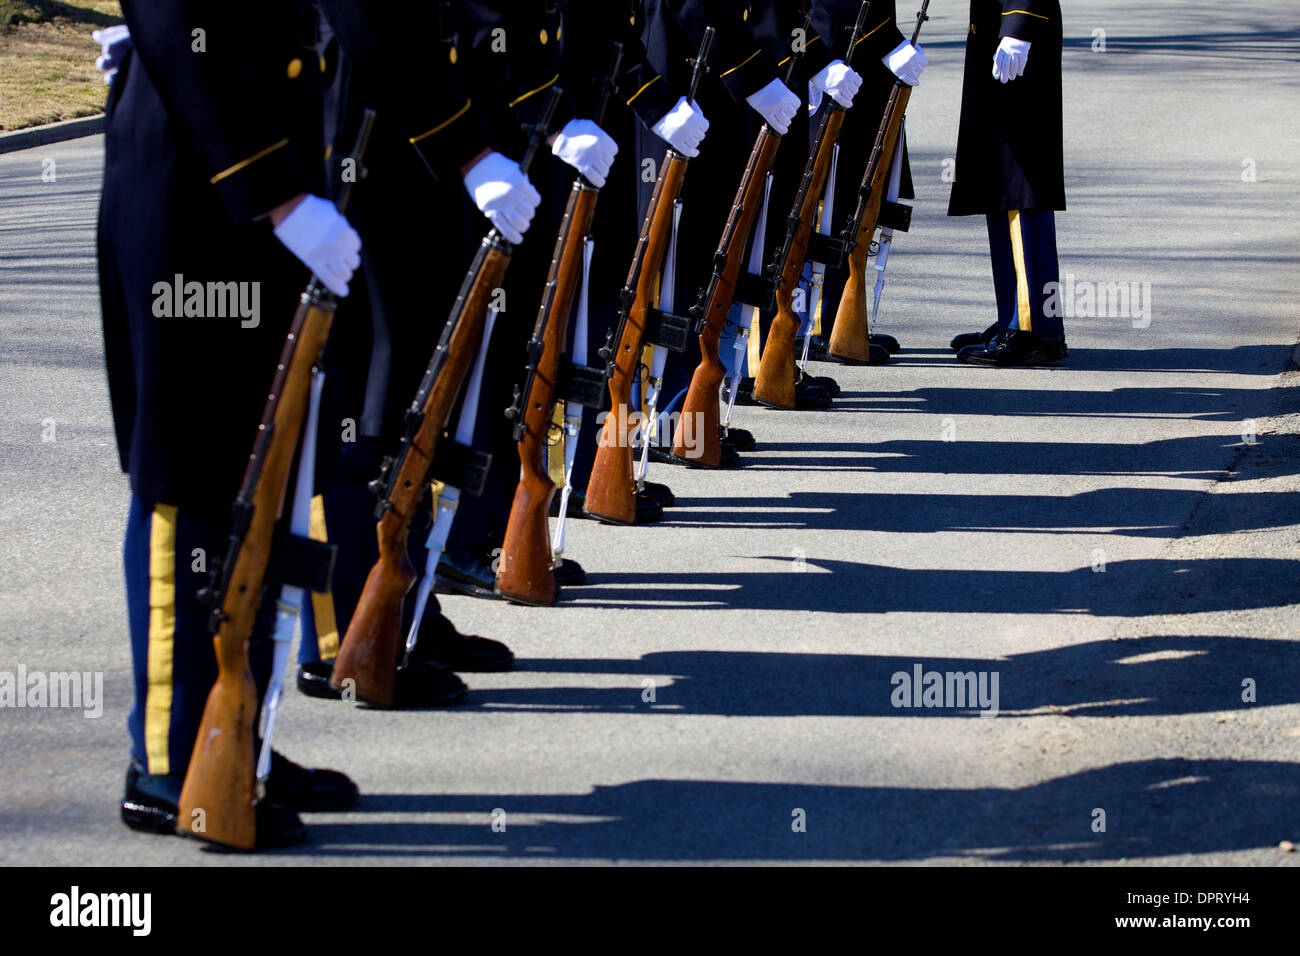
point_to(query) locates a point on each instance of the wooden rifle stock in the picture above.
(524, 573)
(611, 490)
(700, 419)
(366, 667)
(775, 381)
(217, 802)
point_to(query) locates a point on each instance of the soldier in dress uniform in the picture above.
(213, 174)
(1010, 168)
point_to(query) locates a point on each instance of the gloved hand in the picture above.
(1010, 59)
(839, 80)
(587, 148)
(907, 62)
(503, 194)
(776, 104)
(318, 234)
(114, 42)
(683, 128)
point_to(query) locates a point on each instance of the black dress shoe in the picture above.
(440, 643)
(277, 827)
(419, 684)
(728, 457)
(967, 339)
(569, 573)
(658, 492)
(818, 352)
(150, 802)
(1014, 348)
(648, 508)
(806, 398)
(308, 790)
(744, 392)
(465, 571)
(824, 382)
(887, 342)
(738, 438)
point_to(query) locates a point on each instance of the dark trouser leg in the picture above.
(1022, 247)
(166, 554)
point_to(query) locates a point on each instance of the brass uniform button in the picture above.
(451, 54)
(294, 70)
(544, 36)
(322, 64)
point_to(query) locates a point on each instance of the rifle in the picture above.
(524, 573)
(850, 335)
(700, 417)
(774, 384)
(611, 489)
(217, 798)
(366, 667)
(572, 407)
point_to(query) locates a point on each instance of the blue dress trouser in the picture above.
(1022, 244)
(166, 555)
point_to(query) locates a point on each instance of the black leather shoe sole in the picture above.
(569, 573)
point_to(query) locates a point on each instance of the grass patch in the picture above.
(47, 60)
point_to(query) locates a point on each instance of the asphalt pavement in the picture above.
(1116, 541)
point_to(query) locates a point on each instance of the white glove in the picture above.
(318, 234)
(683, 128)
(1010, 59)
(587, 148)
(839, 80)
(907, 62)
(503, 194)
(114, 42)
(776, 104)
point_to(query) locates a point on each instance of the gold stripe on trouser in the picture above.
(555, 449)
(162, 638)
(755, 353)
(1022, 277)
(322, 605)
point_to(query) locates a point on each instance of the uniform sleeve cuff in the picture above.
(454, 141)
(1021, 25)
(256, 184)
(748, 76)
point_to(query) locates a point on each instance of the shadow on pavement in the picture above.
(1131, 678)
(1152, 808)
